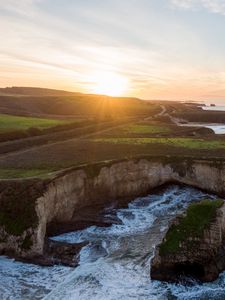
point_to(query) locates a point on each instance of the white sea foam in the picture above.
(26, 281)
(116, 262)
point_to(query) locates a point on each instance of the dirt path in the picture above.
(161, 113)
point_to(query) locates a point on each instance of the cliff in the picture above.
(194, 245)
(30, 207)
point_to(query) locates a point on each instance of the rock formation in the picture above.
(29, 207)
(194, 245)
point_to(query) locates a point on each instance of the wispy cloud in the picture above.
(23, 8)
(57, 43)
(214, 6)
(186, 4)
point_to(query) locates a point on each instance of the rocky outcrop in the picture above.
(200, 256)
(30, 207)
(57, 253)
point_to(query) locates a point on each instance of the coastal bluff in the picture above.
(30, 206)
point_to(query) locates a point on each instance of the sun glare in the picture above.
(109, 83)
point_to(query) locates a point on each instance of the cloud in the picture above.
(21, 8)
(214, 6)
(186, 4)
(58, 43)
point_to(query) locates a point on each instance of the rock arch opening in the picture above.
(189, 269)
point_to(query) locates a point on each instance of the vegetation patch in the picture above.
(93, 170)
(198, 218)
(188, 143)
(10, 122)
(10, 173)
(17, 127)
(18, 205)
(145, 128)
(27, 243)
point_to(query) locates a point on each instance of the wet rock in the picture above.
(57, 253)
(84, 218)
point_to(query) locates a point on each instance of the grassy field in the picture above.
(188, 143)
(46, 158)
(103, 138)
(145, 128)
(43, 160)
(153, 128)
(9, 123)
(24, 173)
(198, 218)
(102, 107)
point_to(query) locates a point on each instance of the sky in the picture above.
(151, 49)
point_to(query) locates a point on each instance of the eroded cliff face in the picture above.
(202, 257)
(59, 199)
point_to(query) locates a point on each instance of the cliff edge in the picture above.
(31, 208)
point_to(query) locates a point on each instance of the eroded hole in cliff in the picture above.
(95, 215)
(194, 270)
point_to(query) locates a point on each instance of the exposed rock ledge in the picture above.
(30, 207)
(184, 252)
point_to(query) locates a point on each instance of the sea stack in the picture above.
(194, 245)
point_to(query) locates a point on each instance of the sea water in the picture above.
(116, 262)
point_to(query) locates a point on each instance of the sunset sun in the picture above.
(109, 83)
